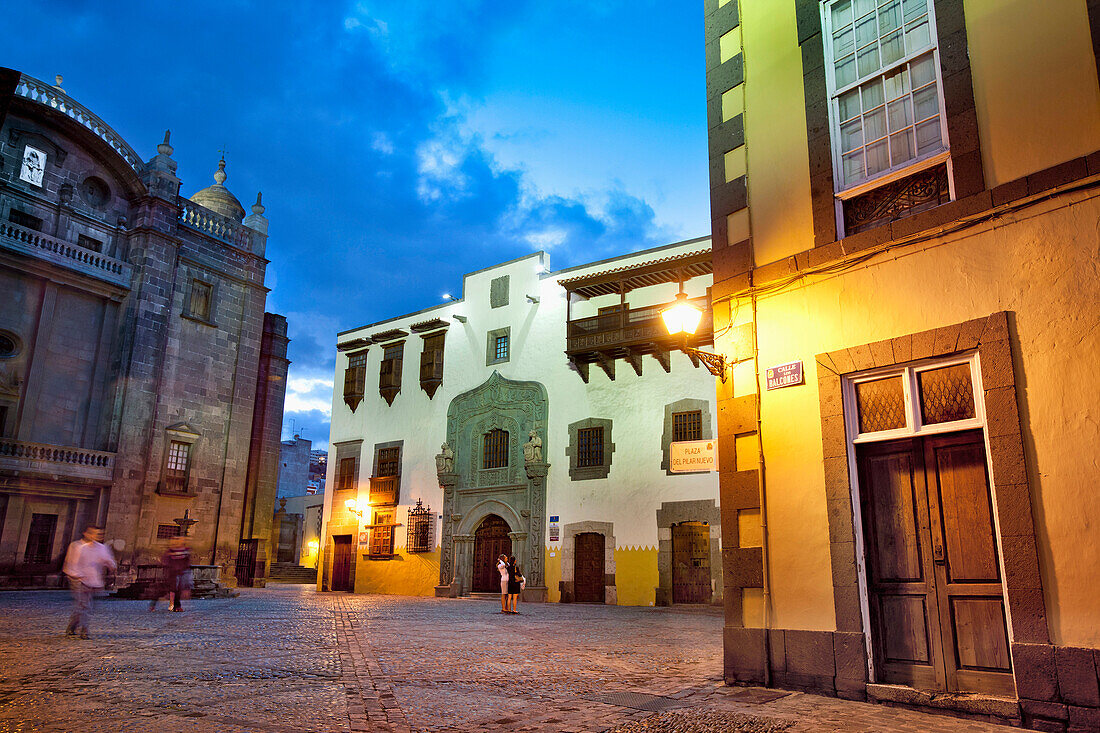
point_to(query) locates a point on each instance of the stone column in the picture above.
(536, 577)
(519, 549)
(464, 559)
(447, 482)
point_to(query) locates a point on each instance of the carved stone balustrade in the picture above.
(81, 464)
(64, 254)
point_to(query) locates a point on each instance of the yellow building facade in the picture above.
(905, 211)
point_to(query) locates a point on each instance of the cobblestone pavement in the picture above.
(288, 659)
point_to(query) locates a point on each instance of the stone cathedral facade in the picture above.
(141, 381)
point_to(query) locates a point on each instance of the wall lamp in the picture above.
(352, 506)
(682, 319)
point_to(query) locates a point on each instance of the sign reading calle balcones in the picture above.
(785, 375)
(689, 456)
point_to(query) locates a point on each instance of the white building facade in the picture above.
(534, 417)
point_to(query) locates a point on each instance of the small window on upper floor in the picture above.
(495, 449)
(347, 473)
(177, 467)
(355, 379)
(501, 348)
(389, 377)
(200, 301)
(91, 243)
(687, 425)
(498, 346)
(431, 363)
(885, 105)
(25, 220)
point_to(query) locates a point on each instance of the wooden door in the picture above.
(588, 568)
(246, 563)
(342, 557)
(691, 563)
(937, 610)
(490, 541)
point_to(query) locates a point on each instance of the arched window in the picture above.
(495, 453)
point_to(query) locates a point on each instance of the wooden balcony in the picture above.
(383, 490)
(64, 462)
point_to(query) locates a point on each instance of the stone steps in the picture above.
(290, 573)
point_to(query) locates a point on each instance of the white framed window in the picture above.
(886, 109)
(935, 396)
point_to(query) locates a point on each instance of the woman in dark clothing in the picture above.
(514, 579)
(177, 571)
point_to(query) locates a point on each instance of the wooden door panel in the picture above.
(491, 540)
(342, 557)
(966, 509)
(588, 568)
(905, 631)
(691, 563)
(895, 548)
(980, 640)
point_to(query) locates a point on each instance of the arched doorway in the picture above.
(490, 541)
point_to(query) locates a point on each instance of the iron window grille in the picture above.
(420, 525)
(167, 531)
(501, 348)
(388, 461)
(495, 449)
(687, 425)
(590, 447)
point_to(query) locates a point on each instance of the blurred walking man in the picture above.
(85, 562)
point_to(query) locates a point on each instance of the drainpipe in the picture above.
(762, 488)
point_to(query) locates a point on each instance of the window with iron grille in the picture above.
(198, 306)
(501, 348)
(177, 466)
(498, 346)
(420, 525)
(687, 425)
(347, 473)
(495, 449)
(381, 535)
(167, 531)
(590, 447)
(40, 538)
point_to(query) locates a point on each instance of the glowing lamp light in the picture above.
(313, 546)
(350, 504)
(681, 317)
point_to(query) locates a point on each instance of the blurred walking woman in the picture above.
(515, 579)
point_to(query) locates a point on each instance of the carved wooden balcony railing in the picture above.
(383, 490)
(64, 254)
(56, 460)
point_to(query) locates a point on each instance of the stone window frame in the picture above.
(181, 433)
(206, 319)
(966, 173)
(499, 291)
(491, 345)
(991, 337)
(677, 512)
(912, 165)
(706, 426)
(351, 449)
(502, 455)
(568, 559)
(587, 473)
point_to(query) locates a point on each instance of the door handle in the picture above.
(937, 554)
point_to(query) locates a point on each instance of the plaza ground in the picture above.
(287, 659)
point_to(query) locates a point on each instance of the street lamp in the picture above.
(351, 506)
(682, 319)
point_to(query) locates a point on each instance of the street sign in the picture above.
(784, 375)
(689, 456)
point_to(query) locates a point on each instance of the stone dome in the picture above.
(218, 199)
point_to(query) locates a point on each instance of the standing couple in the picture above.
(512, 583)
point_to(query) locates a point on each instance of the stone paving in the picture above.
(286, 659)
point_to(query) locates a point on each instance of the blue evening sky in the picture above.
(400, 143)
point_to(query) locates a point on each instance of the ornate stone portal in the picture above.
(516, 492)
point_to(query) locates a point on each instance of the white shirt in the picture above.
(85, 561)
(503, 568)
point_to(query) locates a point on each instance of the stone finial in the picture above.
(57, 83)
(164, 148)
(258, 207)
(219, 175)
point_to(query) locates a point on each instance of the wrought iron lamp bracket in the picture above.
(715, 363)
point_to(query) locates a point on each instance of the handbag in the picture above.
(522, 582)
